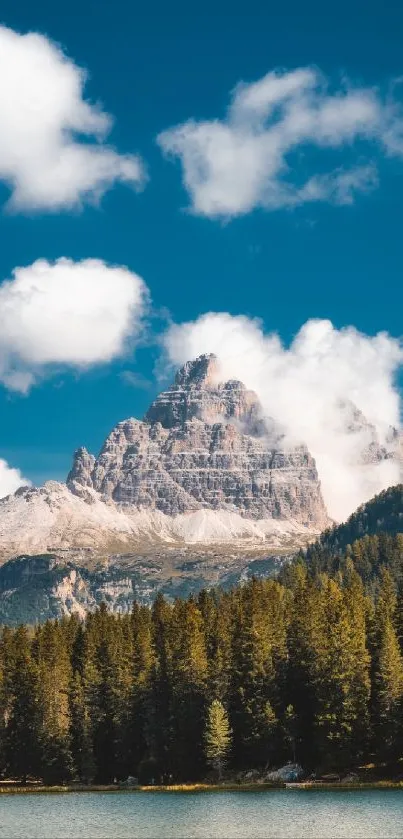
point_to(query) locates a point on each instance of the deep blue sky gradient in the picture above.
(153, 65)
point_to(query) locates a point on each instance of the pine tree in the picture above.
(387, 686)
(253, 686)
(23, 729)
(160, 758)
(7, 670)
(140, 722)
(101, 685)
(358, 609)
(189, 680)
(215, 608)
(54, 671)
(341, 678)
(304, 643)
(217, 737)
(398, 615)
(80, 732)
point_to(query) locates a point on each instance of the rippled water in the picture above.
(232, 815)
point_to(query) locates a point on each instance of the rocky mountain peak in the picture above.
(202, 372)
(80, 475)
(202, 445)
(197, 393)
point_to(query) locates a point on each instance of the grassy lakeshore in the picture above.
(39, 789)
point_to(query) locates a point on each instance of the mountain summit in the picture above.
(203, 467)
(197, 393)
(202, 491)
(203, 445)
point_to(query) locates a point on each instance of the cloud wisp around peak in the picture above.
(330, 389)
(53, 154)
(250, 158)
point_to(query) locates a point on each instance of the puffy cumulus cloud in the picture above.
(66, 313)
(43, 116)
(10, 479)
(327, 389)
(249, 159)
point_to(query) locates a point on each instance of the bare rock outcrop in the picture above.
(203, 444)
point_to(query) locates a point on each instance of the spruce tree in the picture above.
(189, 680)
(80, 732)
(160, 758)
(140, 721)
(217, 737)
(387, 687)
(253, 680)
(101, 687)
(23, 729)
(341, 678)
(54, 671)
(304, 644)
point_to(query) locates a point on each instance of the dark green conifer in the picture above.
(23, 728)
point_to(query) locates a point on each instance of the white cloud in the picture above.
(66, 313)
(308, 389)
(48, 156)
(341, 185)
(10, 479)
(249, 159)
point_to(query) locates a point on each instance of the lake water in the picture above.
(229, 815)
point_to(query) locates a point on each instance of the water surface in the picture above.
(279, 814)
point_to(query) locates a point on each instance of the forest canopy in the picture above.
(307, 669)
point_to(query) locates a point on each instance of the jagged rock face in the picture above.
(203, 444)
(196, 394)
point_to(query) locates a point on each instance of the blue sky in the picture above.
(156, 66)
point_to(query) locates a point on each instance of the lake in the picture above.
(223, 815)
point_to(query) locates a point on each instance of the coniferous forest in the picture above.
(307, 668)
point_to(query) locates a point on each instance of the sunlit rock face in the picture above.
(204, 470)
(203, 444)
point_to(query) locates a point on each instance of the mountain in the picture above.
(52, 518)
(76, 580)
(202, 491)
(203, 446)
(203, 467)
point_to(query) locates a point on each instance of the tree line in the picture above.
(382, 515)
(370, 556)
(308, 668)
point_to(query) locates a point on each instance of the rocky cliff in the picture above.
(202, 491)
(204, 467)
(203, 445)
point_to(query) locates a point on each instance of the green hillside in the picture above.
(371, 538)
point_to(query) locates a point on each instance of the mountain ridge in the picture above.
(203, 444)
(204, 490)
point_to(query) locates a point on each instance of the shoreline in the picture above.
(307, 786)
